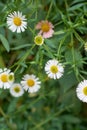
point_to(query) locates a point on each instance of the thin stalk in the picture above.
(51, 117)
(31, 30)
(26, 106)
(6, 119)
(49, 10)
(48, 50)
(23, 58)
(60, 45)
(74, 62)
(79, 38)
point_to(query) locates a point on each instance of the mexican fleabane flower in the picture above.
(54, 69)
(81, 91)
(39, 40)
(16, 90)
(6, 78)
(16, 22)
(46, 29)
(30, 83)
(85, 46)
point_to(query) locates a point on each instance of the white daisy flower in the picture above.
(16, 90)
(16, 22)
(54, 69)
(6, 78)
(81, 91)
(31, 83)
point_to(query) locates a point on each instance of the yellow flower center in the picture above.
(17, 89)
(39, 40)
(30, 82)
(4, 77)
(11, 77)
(85, 46)
(85, 90)
(45, 27)
(54, 69)
(17, 21)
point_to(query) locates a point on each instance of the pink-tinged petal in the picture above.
(48, 34)
(38, 26)
(51, 31)
(46, 22)
(45, 34)
(51, 25)
(40, 32)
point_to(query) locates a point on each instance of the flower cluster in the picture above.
(29, 83)
(6, 78)
(46, 31)
(17, 22)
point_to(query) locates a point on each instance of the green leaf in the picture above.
(70, 119)
(21, 47)
(65, 86)
(75, 7)
(78, 61)
(12, 105)
(5, 42)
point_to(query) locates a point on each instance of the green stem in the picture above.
(49, 10)
(31, 30)
(74, 62)
(26, 106)
(6, 119)
(23, 58)
(48, 50)
(79, 38)
(60, 45)
(51, 117)
(3, 114)
(66, 4)
(27, 53)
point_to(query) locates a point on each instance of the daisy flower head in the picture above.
(81, 91)
(16, 22)
(6, 78)
(39, 40)
(85, 46)
(16, 90)
(30, 83)
(46, 29)
(54, 69)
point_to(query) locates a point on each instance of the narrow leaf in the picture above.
(5, 42)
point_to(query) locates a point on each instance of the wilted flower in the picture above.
(46, 29)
